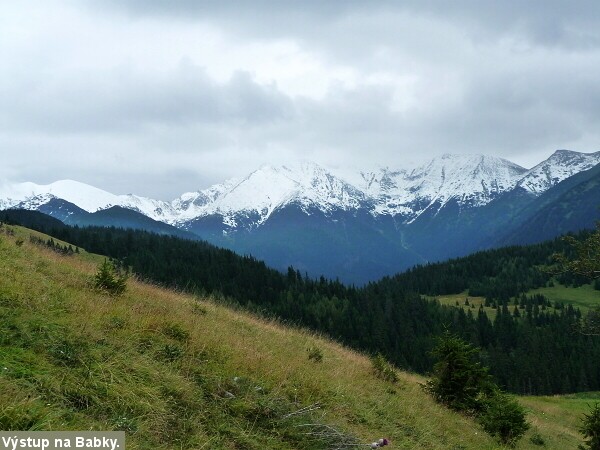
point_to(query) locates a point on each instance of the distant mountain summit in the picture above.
(465, 180)
(306, 185)
(470, 180)
(561, 165)
(89, 198)
(356, 225)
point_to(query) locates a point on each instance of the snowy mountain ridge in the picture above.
(469, 180)
(561, 165)
(91, 199)
(472, 180)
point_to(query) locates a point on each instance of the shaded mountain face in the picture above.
(570, 206)
(114, 216)
(120, 217)
(357, 226)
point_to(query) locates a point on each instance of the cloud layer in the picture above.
(158, 97)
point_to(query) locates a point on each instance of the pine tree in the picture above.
(458, 379)
(463, 384)
(109, 279)
(590, 428)
(516, 312)
(587, 260)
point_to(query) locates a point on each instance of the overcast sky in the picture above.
(161, 97)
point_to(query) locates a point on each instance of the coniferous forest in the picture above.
(529, 347)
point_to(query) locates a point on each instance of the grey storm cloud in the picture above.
(117, 93)
(548, 22)
(127, 100)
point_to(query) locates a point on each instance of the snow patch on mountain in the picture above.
(193, 204)
(155, 209)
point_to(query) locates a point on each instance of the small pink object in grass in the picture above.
(380, 443)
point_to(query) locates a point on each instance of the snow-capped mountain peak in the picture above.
(261, 191)
(561, 165)
(472, 180)
(89, 198)
(408, 192)
(271, 187)
(83, 195)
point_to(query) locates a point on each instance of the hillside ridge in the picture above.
(175, 370)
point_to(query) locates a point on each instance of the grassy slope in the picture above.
(164, 366)
(584, 297)
(474, 303)
(560, 416)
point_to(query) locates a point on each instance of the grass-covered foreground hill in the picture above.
(175, 371)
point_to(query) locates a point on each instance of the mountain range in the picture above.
(354, 225)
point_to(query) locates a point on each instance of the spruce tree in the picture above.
(590, 429)
(586, 262)
(109, 279)
(462, 383)
(458, 378)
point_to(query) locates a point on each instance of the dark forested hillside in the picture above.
(31, 219)
(530, 348)
(496, 274)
